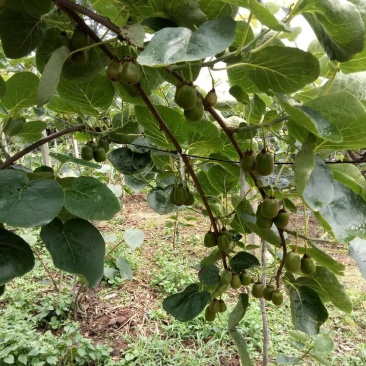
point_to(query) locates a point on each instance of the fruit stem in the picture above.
(284, 253)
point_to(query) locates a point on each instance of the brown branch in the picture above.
(67, 4)
(39, 143)
(177, 146)
(80, 22)
(284, 253)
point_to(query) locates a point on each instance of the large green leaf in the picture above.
(76, 247)
(181, 44)
(27, 203)
(346, 112)
(20, 32)
(217, 9)
(159, 201)
(242, 261)
(128, 162)
(315, 123)
(203, 138)
(331, 286)
(90, 199)
(185, 13)
(338, 26)
(349, 175)
(16, 256)
(63, 158)
(280, 69)
(357, 250)
(96, 93)
(21, 91)
(307, 310)
(174, 120)
(221, 179)
(187, 304)
(209, 275)
(341, 208)
(32, 131)
(51, 75)
(32, 7)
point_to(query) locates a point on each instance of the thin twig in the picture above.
(263, 308)
(46, 269)
(39, 143)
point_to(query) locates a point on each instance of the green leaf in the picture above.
(331, 286)
(239, 94)
(209, 275)
(203, 138)
(217, 9)
(221, 179)
(124, 268)
(2, 87)
(134, 34)
(51, 75)
(242, 261)
(357, 251)
(213, 257)
(187, 304)
(314, 122)
(185, 13)
(133, 237)
(110, 9)
(181, 44)
(32, 7)
(90, 199)
(76, 247)
(349, 175)
(175, 121)
(343, 110)
(13, 126)
(238, 312)
(96, 93)
(307, 311)
(342, 209)
(21, 91)
(63, 158)
(280, 69)
(263, 15)
(20, 32)
(282, 359)
(324, 344)
(110, 273)
(299, 336)
(319, 359)
(241, 346)
(128, 162)
(32, 131)
(16, 256)
(27, 203)
(338, 26)
(159, 201)
(304, 164)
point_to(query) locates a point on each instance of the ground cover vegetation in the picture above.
(117, 81)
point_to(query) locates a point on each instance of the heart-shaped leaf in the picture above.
(187, 304)
(76, 247)
(209, 275)
(16, 257)
(242, 261)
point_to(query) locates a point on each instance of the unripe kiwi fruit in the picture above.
(226, 277)
(114, 70)
(196, 113)
(209, 314)
(223, 242)
(267, 292)
(282, 219)
(87, 153)
(209, 239)
(235, 281)
(264, 164)
(293, 262)
(245, 278)
(210, 98)
(277, 297)
(257, 290)
(185, 96)
(308, 265)
(247, 162)
(131, 72)
(269, 208)
(99, 154)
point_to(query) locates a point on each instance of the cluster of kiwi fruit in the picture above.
(223, 240)
(268, 214)
(294, 263)
(268, 292)
(95, 150)
(215, 306)
(128, 71)
(261, 163)
(181, 195)
(187, 98)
